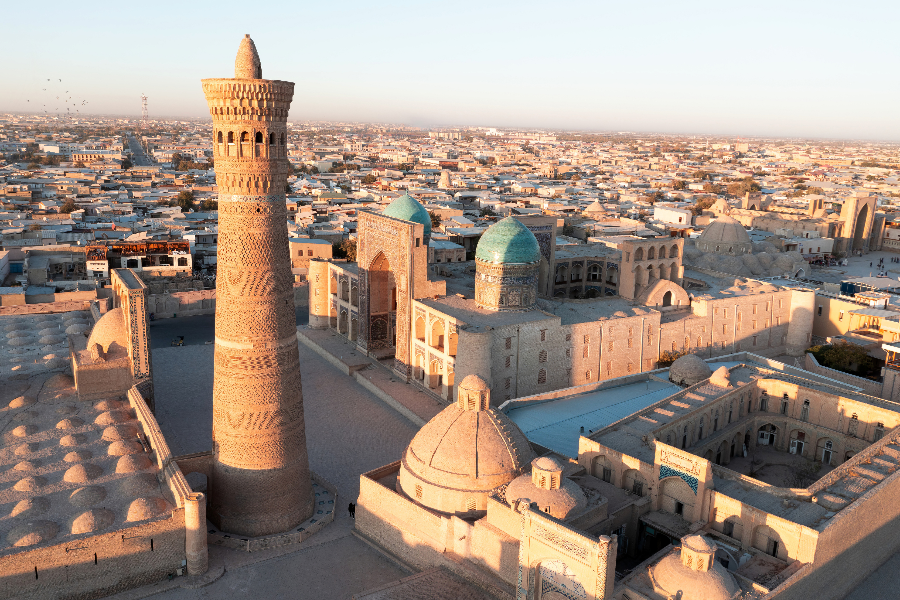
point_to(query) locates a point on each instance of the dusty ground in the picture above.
(774, 467)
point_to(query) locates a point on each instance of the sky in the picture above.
(780, 69)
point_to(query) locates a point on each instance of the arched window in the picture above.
(594, 273)
(673, 252)
(282, 138)
(542, 376)
(639, 254)
(700, 430)
(271, 139)
(259, 137)
(245, 137)
(220, 137)
(804, 412)
(230, 137)
(716, 422)
(651, 253)
(542, 356)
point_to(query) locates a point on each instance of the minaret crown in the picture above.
(247, 65)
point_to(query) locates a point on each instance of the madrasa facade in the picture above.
(506, 312)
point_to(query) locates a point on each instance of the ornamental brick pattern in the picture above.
(260, 481)
(505, 287)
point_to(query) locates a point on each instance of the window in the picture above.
(568, 337)
(630, 367)
(568, 352)
(784, 404)
(804, 412)
(730, 412)
(543, 335)
(630, 342)
(630, 331)
(569, 374)
(754, 309)
(508, 343)
(230, 137)
(740, 317)
(637, 488)
(588, 375)
(777, 320)
(271, 139)
(258, 138)
(220, 137)
(418, 492)
(781, 303)
(716, 422)
(819, 313)
(607, 474)
(542, 356)
(587, 339)
(470, 504)
(508, 361)
(754, 324)
(542, 376)
(841, 316)
(586, 352)
(609, 345)
(854, 425)
(724, 329)
(507, 383)
(679, 510)
(700, 430)
(725, 312)
(879, 432)
(309, 252)
(764, 402)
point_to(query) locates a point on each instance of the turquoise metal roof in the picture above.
(508, 241)
(556, 424)
(408, 208)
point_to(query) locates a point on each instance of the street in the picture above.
(139, 157)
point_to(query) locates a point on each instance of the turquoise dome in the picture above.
(508, 241)
(408, 208)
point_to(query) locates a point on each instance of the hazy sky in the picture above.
(813, 69)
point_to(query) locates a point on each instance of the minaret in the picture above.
(260, 480)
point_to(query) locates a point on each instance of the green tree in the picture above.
(741, 187)
(126, 164)
(701, 174)
(845, 356)
(668, 357)
(702, 204)
(80, 165)
(435, 219)
(209, 205)
(68, 206)
(345, 249)
(712, 188)
(487, 211)
(369, 179)
(185, 201)
(680, 184)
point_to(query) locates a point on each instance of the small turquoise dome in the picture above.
(508, 241)
(408, 208)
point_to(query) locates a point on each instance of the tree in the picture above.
(702, 204)
(712, 188)
(741, 187)
(435, 219)
(68, 206)
(209, 205)
(655, 197)
(35, 227)
(369, 179)
(680, 184)
(126, 164)
(185, 200)
(701, 174)
(80, 165)
(488, 212)
(668, 357)
(345, 249)
(845, 356)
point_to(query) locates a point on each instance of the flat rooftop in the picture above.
(556, 424)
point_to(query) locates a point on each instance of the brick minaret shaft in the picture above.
(260, 480)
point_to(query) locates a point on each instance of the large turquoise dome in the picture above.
(508, 241)
(408, 208)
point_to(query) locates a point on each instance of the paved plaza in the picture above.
(349, 431)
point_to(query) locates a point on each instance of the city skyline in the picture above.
(798, 71)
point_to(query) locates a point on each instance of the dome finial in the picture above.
(247, 65)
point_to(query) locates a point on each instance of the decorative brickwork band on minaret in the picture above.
(260, 477)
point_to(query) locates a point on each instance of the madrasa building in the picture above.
(512, 312)
(732, 478)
